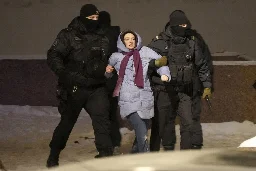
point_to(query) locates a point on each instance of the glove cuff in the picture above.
(207, 84)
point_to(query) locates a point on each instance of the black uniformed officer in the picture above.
(189, 68)
(79, 57)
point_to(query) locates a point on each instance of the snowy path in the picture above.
(26, 132)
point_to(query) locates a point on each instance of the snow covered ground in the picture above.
(250, 143)
(26, 132)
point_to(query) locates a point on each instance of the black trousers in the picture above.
(115, 125)
(163, 122)
(96, 103)
(186, 120)
(197, 133)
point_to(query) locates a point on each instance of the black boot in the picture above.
(53, 159)
(169, 148)
(196, 147)
(104, 153)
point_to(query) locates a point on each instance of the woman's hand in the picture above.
(109, 69)
(164, 78)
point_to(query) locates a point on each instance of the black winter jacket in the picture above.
(202, 56)
(69, 56)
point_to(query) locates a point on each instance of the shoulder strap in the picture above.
(191, 44)
(159, 45)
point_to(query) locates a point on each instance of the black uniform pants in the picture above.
(186, 120)
(115, 125)
(197, 133)
(96, 103)
(189, 109)
(163, 123)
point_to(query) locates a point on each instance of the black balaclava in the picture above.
(177, 18)
(86, 11)
(104, 19)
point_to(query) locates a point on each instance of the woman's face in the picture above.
(129, 41)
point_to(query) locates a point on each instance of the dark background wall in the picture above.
(29, 27)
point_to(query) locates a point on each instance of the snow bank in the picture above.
(249, 143)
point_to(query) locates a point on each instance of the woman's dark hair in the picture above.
(123, 33)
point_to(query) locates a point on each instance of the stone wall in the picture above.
(31, 82)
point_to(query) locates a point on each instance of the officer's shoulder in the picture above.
(158, 41)
(101, 31)
(200, 40)
(158, 38)
(194, 38)
(65, 32)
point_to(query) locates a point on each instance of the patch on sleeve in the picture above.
(158, 38)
